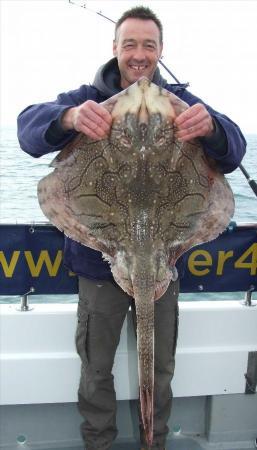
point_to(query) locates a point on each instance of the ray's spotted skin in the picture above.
(142, 198)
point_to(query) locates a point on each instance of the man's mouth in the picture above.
(138, 68)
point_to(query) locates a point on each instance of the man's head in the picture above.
(137, 44)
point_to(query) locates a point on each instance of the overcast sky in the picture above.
(51, 46)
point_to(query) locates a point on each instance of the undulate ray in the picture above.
(141, 198)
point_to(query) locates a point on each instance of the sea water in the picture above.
(20, 174)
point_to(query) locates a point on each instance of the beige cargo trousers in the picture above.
(102, 308)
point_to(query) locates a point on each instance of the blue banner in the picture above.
(31, 257)
(227, 264)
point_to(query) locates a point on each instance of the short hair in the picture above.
(143, 13)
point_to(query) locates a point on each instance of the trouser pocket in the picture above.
(175, 336)
(81, 336)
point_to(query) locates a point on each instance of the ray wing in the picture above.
(199, 203)
(80, 195)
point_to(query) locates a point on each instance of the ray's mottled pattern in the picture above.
(141, 198)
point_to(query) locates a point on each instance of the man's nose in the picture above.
(139, 54)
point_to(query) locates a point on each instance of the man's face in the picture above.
(138, 49)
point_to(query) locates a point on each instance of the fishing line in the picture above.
(252, 183)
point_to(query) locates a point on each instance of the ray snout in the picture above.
(144, 98)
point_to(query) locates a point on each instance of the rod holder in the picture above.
(24, 305)
(248, 297)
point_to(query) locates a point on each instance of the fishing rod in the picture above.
(252, 183)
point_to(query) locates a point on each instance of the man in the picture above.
(102, 307)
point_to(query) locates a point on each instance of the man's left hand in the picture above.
(194, 122)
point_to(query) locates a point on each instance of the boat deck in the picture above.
(177, 443)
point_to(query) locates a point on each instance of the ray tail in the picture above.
(144, 300)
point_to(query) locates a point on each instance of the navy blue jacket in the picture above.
(39, 132)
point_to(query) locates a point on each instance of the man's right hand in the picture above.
(89, 118)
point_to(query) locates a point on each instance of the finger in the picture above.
(201, 118)
(97, 130)
(93, 134)
(100, 111)
(191, 130)
(94, 121)
(203, 127)
(190, 133)
(191, 116)
(185, 137)
(193, 122)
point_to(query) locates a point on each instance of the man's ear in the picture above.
(114, 48)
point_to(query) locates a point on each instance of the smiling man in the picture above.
(137, 47)
(103, 306)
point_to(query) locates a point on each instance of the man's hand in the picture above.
(194, 122)
(89, 118)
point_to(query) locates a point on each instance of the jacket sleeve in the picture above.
(230, 146)
(34, 124)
